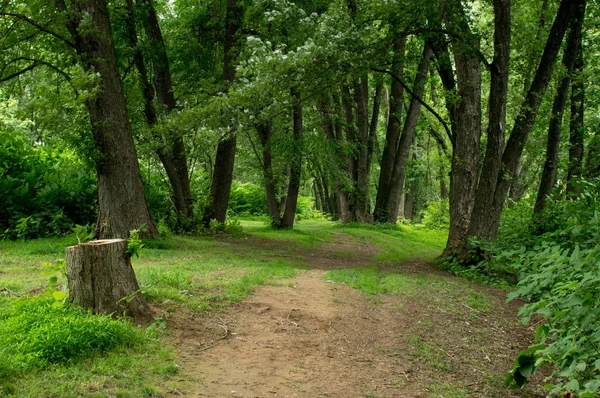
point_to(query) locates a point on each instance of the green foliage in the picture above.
(229, 227)
(84, 233)
(523, 369)
(557, 255)
(35, 333)
(45, 191)
(305, 209)
(134, 243)
(247, 200)
(437, 215)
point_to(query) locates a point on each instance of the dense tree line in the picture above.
(373, 108)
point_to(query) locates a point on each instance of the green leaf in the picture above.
(573, 385)
(511, 296)
(59, 296)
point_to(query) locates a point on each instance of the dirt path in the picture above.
(313, 338)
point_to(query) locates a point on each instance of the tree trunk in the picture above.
(548, 180)
(410, 196)
(101, 278)
(487, 227)
(576, 127)
(223, 170)
(362, 185)
(121, 201)
(497, 117)
(392, 136)
(265, 132)
(466, 136)
(291, 202)
(397, 181)
(172, 153)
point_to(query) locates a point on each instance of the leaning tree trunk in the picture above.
(392, 135)
(101, 278)
(488, 227)
(398, 178)
(172, 152)
(548, 180)
(122, 205)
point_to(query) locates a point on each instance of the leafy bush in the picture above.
(35, 333)
(45, 192)
(305, 209)
(559, 271)
(247, 200)
(437, 215)
(231, 227)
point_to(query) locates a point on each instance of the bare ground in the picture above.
(311, 338)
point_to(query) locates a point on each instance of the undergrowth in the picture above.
(35, 333)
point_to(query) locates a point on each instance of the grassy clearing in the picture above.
(65, 352)
(401, 243)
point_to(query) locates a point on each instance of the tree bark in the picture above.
(576, 126)
(265, 132)
(291, 202)
(526, 118)
(548, 180)
(121, 201)
(497, 116)
(398, 177)
(223, 171)
(467, 133)
(392, 136)
(101, 278)
(172, 152)
(487, 226)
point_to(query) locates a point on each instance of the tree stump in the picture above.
(101, 278)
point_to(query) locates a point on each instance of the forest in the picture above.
(301, 198)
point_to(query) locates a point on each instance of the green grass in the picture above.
(66, 352)
(445, 390)
(92, 356)
(431, 356)
(399, 243)
(372, 282)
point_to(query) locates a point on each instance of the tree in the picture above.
(224, 161)
(121, 201)
(548, 179)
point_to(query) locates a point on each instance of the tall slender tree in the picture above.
(223, 170)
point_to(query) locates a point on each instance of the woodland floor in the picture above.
(440, 336)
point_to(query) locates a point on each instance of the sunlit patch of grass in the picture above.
(400, 243)
(445, 390)
(371, 282)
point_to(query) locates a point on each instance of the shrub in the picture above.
(45, 192)
(436, 215)
(558, 262)
(247, 200)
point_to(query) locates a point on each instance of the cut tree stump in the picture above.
(101, 278)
